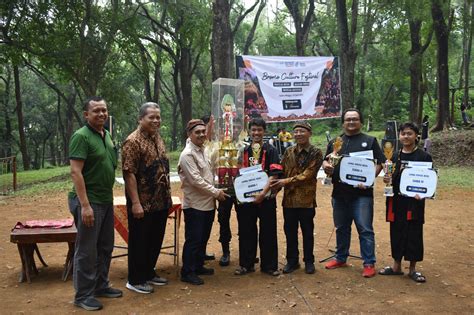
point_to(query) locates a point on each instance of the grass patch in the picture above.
(456, 176)
(60, 186)
(26, 178)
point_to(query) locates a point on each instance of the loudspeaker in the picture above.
(391, 130)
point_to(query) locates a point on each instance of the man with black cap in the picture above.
(300, 166)
(199, 196)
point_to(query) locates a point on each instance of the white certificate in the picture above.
(420, 164)
(249, 184)
(357, 170)
(419, 181)
(367, 154)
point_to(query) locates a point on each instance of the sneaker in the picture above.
(157, 280)
(192, 278)
(89, 304)
(143, 288)
(289, 268)
(109, 293)
(309, 268)
(369, 271)
(203, 271)
(333, 264)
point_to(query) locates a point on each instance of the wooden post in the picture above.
(14, 172)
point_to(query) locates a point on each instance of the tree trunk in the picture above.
(8, 135)
(415, 68)
(347, 51)
(19, 112)
(442, 35)
(302, 24)
(222, 41)
(185, 76)
(468, 29)
(367, 37)
(251, 34)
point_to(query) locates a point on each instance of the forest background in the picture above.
(400, 60)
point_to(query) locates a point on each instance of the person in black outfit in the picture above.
(406, 214)
(262, 208)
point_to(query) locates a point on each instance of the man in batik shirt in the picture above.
(146, 173)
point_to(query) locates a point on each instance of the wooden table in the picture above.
(27, 240)
(121, 224)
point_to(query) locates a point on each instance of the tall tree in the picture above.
(223, 34)
(468, 27)
(414, 12)
(347, 50)
(19, 113)
(301, 21)
(438, 8)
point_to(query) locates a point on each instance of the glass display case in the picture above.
(228, 130)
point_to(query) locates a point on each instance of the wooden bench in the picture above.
(27, 240)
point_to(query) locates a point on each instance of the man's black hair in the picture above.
(361, 118)
(259, 122)
(91, 99)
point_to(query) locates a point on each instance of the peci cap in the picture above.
(193, 123)
(303, 124)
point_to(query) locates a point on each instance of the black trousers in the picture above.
(247, 215)
(223, 216)
(145, 238)
(304, 217)
(406, 240)
(198, 225)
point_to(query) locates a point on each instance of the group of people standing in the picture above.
(145, 165)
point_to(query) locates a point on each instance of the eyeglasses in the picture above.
(351, 119)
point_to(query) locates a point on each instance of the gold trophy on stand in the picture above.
(388, 168)
(334, 159)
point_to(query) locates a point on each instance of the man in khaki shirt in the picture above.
(300, 166)
(199, 193)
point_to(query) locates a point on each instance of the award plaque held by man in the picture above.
(388, 168)
(334, 159)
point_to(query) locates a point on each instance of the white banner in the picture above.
(290, 88)
(419, 181)
(357, 170)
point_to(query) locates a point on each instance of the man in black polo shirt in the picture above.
(93, 161)
(353, 203)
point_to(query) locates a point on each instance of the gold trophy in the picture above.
(334, 159)
(388, 168)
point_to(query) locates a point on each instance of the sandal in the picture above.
(270, 272)
(243, 271)
(417, 277)
(388, 271)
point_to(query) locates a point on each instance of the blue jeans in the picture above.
(361, 211)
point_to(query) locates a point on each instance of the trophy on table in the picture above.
(388, 168)
(334, 159)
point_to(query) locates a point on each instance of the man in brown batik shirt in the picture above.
(146, 173)
(300, 167)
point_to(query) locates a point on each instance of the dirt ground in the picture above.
(448, 266)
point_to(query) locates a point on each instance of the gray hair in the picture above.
(144, 108)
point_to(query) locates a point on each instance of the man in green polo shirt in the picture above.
(93, 159)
